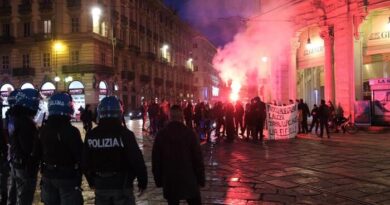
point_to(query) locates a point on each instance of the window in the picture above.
(26, 29)
(102, 58)
(5, 62)
(46, 60)
(26, 60)
(74, 57)
(75, 25)
(47, 26)
(6, 29)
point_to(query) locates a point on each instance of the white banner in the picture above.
(282, 121)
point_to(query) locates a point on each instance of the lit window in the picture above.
(47, 26)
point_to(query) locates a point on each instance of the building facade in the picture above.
(135, 49)
(206, 79)
(339, 51)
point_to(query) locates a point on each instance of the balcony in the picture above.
(7, 39)
(5, 10)
(124, 20)
(42, 37)
(73, 4)
(134, 49)
(46, 6)
(87, 68)
(18, 72)
(144, 78)
(128, 75)
(158, 81)
(25, 9)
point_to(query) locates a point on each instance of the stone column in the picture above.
(293, 68)
(344, 71)
(327, 36)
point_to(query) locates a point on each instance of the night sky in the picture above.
(222, 23)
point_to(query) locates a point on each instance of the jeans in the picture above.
(114, 197)
(194, 201)
(61, 191)
(25, 186)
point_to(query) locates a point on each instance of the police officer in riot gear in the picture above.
(60, 148)
(7, 185)
(25, 166)
(112, 158)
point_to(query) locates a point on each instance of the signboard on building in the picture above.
(282, 121)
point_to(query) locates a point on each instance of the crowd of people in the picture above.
(109, 156)
(238, 120)
(229, 120)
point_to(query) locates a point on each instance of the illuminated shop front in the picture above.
(310, 67)
(374, 81)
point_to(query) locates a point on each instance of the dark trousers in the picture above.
(239, 124)
(324, 123)
(258, 130)
(116, 197)
(4, 174)
(315, 122)
(304, 125)
(189, 123)
(61, 191)
(194, 201)
(220, 123)
(25, 186)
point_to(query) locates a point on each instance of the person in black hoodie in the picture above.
(24, 164)
(59, 147)
(112, 158)
(177, 162)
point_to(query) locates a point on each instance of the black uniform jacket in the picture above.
(112, 158)
(177, 162)
(60, 148)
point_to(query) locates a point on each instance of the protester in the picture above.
(248, 121)
(259, 115)
(188, 115)
(60, 147)
(305, 112)
(323, 115)
(153, 112)
(177, 161)
(24, 165)
(87, 118)
(315, 122)
(112, 158)
(238, 118)
(229, 122)
(144, 114)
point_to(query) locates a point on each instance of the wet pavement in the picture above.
(345, 169)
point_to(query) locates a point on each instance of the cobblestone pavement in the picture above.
(346, 169)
